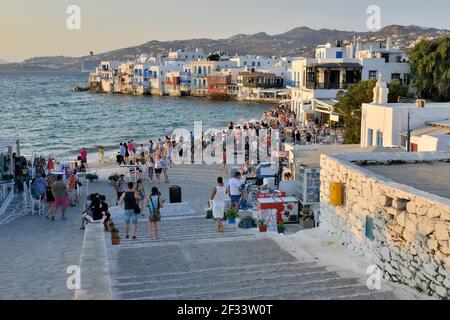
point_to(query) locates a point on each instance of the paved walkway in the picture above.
(190, 261)
(36, 252)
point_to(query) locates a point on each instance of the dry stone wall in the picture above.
(403, 230)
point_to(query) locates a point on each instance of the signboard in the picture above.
(334, 117)
(270, 217)
(281, 154)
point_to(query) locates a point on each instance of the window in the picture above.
(370, 138)
(379, 138)
(395, 76)
(407, 78)
(373, 74)
(339, 55)
(369, 228)
(209, 70)
(259, 64)
(253, 64)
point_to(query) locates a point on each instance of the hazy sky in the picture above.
(38, 27)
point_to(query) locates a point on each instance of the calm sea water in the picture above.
(50, 118)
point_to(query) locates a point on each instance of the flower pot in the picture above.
(262, 228)
(280, 230)
(247, 224)
(231, 220)
(115, 241)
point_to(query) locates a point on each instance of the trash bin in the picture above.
(175, 194)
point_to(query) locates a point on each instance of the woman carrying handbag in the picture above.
(154, 204)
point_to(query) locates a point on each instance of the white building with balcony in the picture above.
(200, 70)
(316, 82)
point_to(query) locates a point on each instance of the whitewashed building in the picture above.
(316, 82)
(386, 124)
(200, 70)
(254, 61)
(187, 55)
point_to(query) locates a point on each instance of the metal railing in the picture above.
(328, 85)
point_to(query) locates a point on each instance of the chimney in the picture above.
(420, 103)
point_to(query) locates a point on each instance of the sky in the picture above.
(31, 28)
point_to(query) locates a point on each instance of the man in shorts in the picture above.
(59, 191)
(235, 191)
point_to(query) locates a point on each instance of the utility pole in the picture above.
(409, 133)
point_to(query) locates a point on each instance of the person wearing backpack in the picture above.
(154, 204)
(130, 199)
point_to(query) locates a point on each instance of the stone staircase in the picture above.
(191, 261)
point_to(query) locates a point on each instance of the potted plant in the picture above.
(209, 214)
(114, 178)
(231, 214)
(262, 225)
(115, 236)
(247, 223)
(280, 227)
(91, 177)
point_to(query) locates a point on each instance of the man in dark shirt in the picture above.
(105, 209)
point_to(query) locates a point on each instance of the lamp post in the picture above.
(409, 133)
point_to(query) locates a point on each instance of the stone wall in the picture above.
(411, 228)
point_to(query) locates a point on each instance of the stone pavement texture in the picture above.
(36, 252)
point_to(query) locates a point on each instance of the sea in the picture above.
(50, 118)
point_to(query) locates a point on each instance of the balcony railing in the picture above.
(328, 85)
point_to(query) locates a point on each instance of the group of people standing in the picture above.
(55, 192)
(156, 159)
(135, 200)
(218, 198)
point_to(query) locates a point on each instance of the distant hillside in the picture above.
(298, 41)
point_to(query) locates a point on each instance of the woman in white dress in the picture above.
(218, 203)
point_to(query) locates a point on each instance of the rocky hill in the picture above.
(298, 41)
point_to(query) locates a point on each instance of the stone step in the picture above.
(198, 279)
(175, 240)
(219, 270)
(346, 293)
(231, 285)
(188, 229)
(282, 285)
